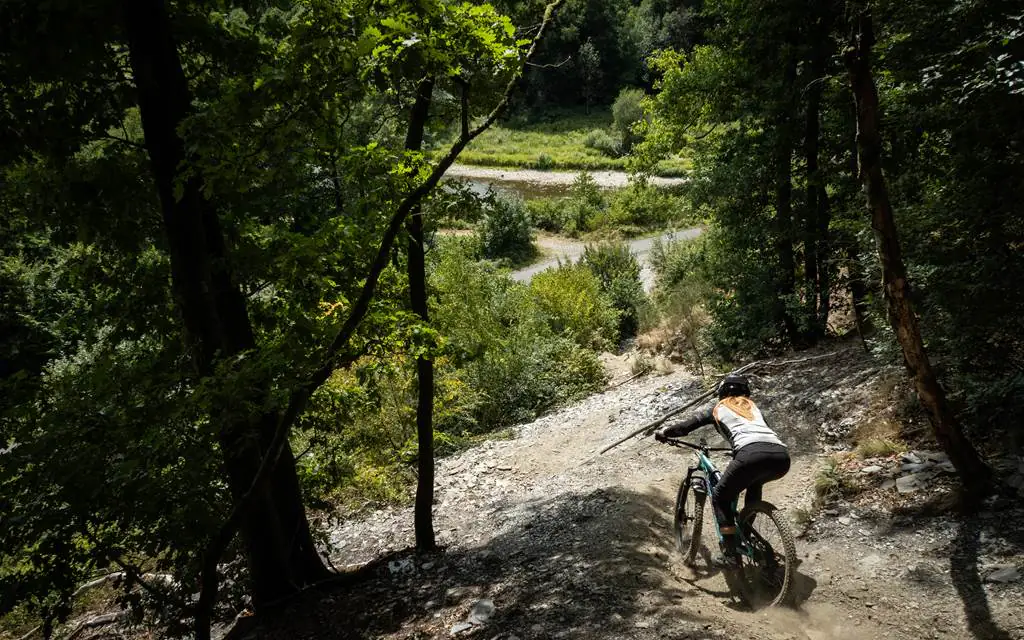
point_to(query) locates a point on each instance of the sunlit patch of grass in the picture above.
(831, 483)
(801, 517)
(878, 448)
(554, 145)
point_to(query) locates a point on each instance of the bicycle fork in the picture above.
(701, 489)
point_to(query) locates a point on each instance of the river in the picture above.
(531, 183)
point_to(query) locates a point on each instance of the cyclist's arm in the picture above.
(695, 422)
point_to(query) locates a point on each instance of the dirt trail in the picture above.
(559, 248)
(569, 544)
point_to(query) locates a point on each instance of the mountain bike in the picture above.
(765, 543)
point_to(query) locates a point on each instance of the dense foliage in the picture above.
(174, 269)
(620, 35)
(192, 196)
(764, 107)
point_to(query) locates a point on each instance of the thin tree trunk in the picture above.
(811, 135)
(784, 202)
(276, 533)
(423, 518)
(973, 472)
(858, 290)
(817, 218)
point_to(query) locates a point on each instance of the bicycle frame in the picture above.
(706, 484)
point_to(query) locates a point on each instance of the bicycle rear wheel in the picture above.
(689, 519)
(770, 563)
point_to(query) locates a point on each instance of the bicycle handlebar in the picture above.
(699, 447)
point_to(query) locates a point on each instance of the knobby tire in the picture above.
(755, 596)
(688, 546)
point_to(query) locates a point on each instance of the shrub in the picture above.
(618, 274)
(571, 300)
(585, 203)
(603, 141)
(549, 214)
(643, 206)
(675, 262)
(544, 162)
(455, 204)
(681, 296)
(504, 362)
(506, 233)
(627, 110)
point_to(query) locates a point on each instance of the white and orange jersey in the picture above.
(740, 421)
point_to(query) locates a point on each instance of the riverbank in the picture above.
(566, 142)
(549, 182)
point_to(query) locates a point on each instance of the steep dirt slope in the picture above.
(565, 543)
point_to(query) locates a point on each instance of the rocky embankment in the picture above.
(544, 538)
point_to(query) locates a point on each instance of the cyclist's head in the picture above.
(733, 385)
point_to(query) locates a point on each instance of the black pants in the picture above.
(751, 467)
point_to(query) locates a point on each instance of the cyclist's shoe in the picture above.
(729, 555)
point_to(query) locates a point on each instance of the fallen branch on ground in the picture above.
(98, 621)
(164, 578)
(651, 426)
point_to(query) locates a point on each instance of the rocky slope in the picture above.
(545, 538)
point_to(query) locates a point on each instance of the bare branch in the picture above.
(706, 133)
(651, 426)
(550, 65)
(98, 621)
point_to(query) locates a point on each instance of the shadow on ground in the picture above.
(585, 565)
(1003, 538)
(967, 578)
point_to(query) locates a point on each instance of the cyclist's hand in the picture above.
(660, 436)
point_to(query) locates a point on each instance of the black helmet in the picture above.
(733, 385)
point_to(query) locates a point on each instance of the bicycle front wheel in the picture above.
(769, 565)
(689, 518)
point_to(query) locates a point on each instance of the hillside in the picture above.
(569, 544)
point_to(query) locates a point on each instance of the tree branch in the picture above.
(465, 107)
(706, 133)
(651, 426)
(215, 549)
(549, 65)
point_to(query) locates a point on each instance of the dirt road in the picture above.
(559, 248)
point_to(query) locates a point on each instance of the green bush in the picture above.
(618, 274)
(544, 162)
(506, 233)
(549, 214)
(606, 143)
(586, 201)
(641, 206)
(504, 361)
(675, 262)
(571, 300)
(455, 205)
(627, 111)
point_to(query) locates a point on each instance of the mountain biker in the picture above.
(758, 454)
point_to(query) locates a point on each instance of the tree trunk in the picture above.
(278, 543)
(784, 201)
(858, 289)
(424, 517)
(973, 472)
(817, 218)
